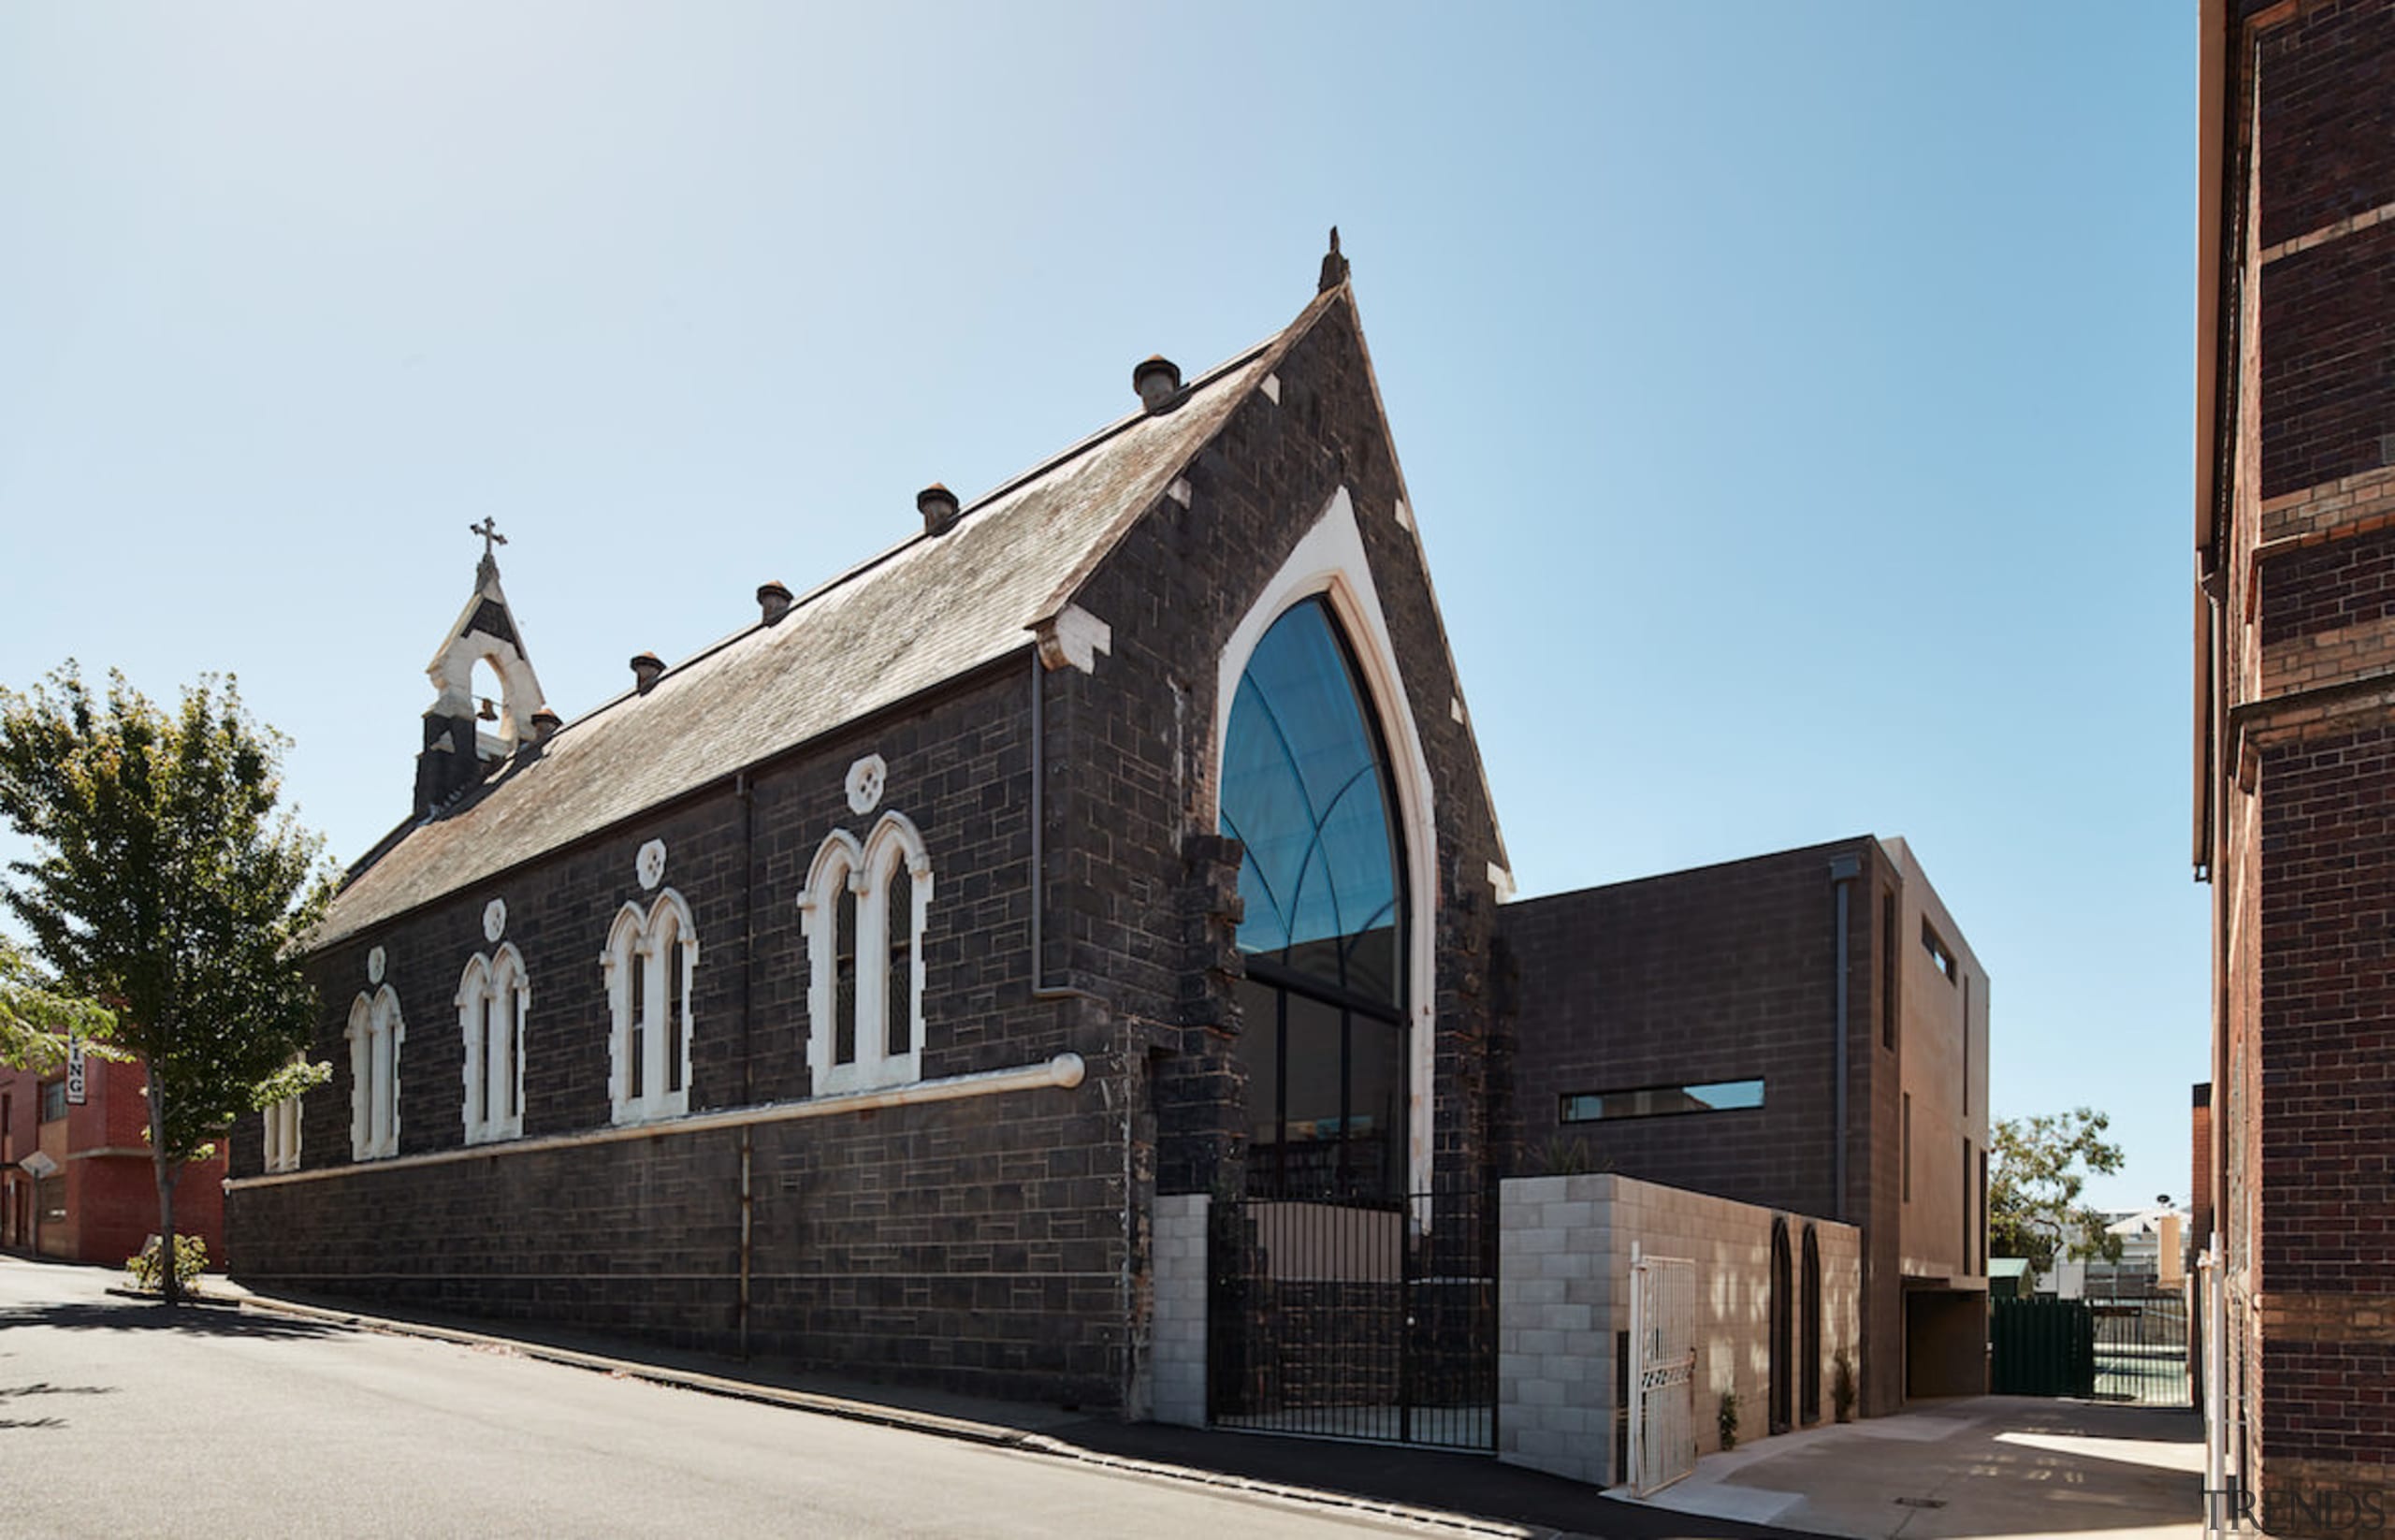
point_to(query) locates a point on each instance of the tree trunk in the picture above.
(169, 1284)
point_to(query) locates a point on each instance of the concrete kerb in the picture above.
(803, 1401)
(993, 1435)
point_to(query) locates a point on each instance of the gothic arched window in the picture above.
(376, 1030)
(1307, 791)
(649, 963)
(493, 999)
(866, 905)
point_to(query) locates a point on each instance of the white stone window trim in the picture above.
(663, 927)
(864, 868)
(1329, 561)
(499, 981)
(376, 1030)
(282, 1140)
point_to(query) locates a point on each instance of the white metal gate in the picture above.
(1662, 1371)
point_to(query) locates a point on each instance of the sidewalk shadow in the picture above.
(199, 1320)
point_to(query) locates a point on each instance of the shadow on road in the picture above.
(191, 1320)
(1414, 1477)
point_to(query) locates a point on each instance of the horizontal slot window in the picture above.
(1726, 1095)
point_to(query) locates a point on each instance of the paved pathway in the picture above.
(1984, 1466)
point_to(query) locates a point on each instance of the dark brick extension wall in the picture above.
(997, 1244)
(1722, 973)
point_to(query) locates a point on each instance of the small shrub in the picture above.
(1728, 1419)
(190, 1260)
(1842, 1385)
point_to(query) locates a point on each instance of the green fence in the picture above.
(2041, 1347)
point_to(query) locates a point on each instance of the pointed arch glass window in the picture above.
(1307, 791)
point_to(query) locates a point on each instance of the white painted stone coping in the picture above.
(1064, 1071)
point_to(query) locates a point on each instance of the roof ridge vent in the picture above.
(1157, 379)
(939, 506)
(646, 668)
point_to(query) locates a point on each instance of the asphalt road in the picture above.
(119, 1419)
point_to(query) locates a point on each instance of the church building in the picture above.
(848, 996)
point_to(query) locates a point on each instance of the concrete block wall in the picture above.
(1177, 1325)
(1563, 1310)
(1556, 1281)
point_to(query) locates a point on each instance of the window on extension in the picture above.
(1726, 1095)
(1938, 951)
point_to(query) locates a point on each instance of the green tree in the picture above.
(36, 1018)
(2041, 1167)
(166, 882)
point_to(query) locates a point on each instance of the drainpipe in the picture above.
(741, 789)
(1040, 988)
(1843, 870)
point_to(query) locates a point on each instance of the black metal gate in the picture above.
(2133, 1346)
(2143, 1350)
(1351, 1320)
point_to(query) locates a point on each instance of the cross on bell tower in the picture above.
(488, 530)
(458, 753)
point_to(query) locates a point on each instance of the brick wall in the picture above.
(978, 1243)
(2327, 116)
(2301, 1094)
(1175, 592)
(999, 1245)
(2328, 1019)
(111, 1189)
(1723, 973)
(1729, 973)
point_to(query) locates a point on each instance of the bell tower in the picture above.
(458, 752)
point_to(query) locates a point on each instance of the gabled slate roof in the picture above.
(927, 610)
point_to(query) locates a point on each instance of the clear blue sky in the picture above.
(1796, 398)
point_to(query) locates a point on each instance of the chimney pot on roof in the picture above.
(1157, 379)
(937, 505)
(773, 600)
(647, 666)
(545, 723)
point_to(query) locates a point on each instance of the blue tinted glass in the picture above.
(1304, 790)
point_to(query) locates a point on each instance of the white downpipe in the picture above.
(2215, 1318)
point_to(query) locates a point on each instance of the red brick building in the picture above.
(76, 1182)
(2295, 697)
